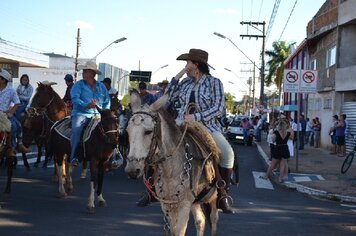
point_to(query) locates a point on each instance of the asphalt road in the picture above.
(35, 209)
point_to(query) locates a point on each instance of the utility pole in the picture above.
(251, 83)
(263, 36)
(76, 56)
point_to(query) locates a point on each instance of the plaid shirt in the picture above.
(209, 99)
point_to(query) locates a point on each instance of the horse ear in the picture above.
(135, 100)
(159, 103)
(117, 94)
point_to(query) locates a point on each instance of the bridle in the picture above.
(150, 158)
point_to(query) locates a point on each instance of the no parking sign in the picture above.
(300, 81)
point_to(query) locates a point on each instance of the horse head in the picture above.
(115, 103)
(143, 129)
(109, 127)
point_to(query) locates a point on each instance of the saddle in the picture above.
(64, 128)
(206, 144)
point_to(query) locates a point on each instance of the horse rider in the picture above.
(9, 103)
(86, 94)
(207, 93)
(24, 92)
(107, 83)
(67, 99)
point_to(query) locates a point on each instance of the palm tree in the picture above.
(278, 55)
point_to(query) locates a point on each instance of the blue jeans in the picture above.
(21, 109)
(15, 129)
(245, 132)
(78, 124)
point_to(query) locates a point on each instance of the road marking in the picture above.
(348, 205)
(262, 183)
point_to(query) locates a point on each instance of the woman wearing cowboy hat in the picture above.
(207, 93)
(86, 94)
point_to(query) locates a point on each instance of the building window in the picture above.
(331, 57)
(327, 103)
(313, 64)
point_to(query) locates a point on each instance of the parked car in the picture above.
(235, 133)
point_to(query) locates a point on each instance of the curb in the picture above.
(310, 191)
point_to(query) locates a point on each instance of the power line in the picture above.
(259, 14)
(273, 16)
(295, 3)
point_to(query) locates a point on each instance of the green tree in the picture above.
(275, 65)
(229, 102)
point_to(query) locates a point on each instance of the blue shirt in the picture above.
(148, 99)
(208, 96)
(82, 94)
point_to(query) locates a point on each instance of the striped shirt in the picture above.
(8, 98)
(208, 97)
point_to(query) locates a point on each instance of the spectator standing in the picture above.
(340, 137)
(162, 88)
(308, 130)
(333, 134)
(246, 126)
(24, 92)
(303, 126)
(317, 129)
(258, 128)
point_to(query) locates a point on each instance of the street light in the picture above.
(227, 69)
(116, 41)
(260, 69)
(164, 66)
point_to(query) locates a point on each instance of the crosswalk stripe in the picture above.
(261, 183)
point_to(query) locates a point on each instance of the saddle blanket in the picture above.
(64, 128)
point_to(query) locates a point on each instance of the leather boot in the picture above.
(21, 148)
(224, 200)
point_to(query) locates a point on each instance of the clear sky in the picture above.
(157, 31)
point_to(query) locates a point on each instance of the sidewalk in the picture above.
(318, 161)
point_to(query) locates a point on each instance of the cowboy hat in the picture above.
(163, 82)
(5, 74)
(46, 82)
(90, 65)
(197, 55)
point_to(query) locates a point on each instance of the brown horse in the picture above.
(45, 109)
(97, 149)
(6, 152)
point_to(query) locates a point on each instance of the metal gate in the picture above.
(349, 108)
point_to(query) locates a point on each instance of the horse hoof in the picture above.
(102, 204)
(63, 195)
(90, 210)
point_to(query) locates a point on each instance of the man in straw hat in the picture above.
(207, 93)
(8, 97)
(86, 94)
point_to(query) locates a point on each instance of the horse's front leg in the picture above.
(39, 154)
(99, 191)
(93, 183)
(83, 175)
(61, 181)
(10, 167)
(182, 218)
(199, 219)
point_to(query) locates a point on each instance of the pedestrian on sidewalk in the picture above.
(317, 129)
(303, 126)
(308, 130)
(333, 134)
(340, 137)
(281, 153)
